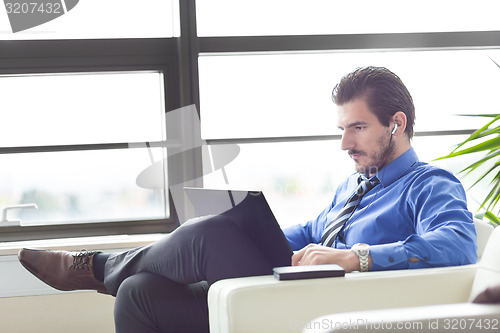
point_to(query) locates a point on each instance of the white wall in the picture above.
(76, 312)
(29, 305)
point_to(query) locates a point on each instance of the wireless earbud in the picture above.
(395, 129)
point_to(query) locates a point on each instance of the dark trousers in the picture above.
(149, 303)
(163, 287)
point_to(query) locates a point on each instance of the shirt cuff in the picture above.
(388, 256)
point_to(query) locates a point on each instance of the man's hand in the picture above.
(314, 254)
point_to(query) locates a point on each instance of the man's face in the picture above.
(367, 141)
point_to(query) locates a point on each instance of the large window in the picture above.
(94, 102)
(84, 104)
(267, 70)
(75, 114)
(288, 133)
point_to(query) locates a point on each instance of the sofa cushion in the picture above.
(488, 272)
(483, 231)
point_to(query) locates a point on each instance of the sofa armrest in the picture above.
(464, 317)
(264, 304)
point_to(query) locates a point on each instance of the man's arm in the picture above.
(444, 232)
(314, 254)
(444, 228)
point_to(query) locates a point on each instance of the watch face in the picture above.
(361, 248)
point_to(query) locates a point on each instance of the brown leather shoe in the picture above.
(62, 270)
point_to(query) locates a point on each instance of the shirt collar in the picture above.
(397, 168)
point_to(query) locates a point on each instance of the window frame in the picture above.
(100, 55)
(178, 57)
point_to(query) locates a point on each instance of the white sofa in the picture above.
(460, 315)
(264, 304)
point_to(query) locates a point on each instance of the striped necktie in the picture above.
(334, 226)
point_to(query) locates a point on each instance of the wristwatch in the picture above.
(362, 250)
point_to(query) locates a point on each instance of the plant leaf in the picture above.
(492, 217)
(480, 132)
(497, 177)
(494, 194)
(492, 154)
(477, 115)
(486, 145)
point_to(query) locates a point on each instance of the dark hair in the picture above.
(382, 90)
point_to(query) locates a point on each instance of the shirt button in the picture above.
(426, 258)
(391, 259)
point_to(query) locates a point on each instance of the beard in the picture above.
(376, 160)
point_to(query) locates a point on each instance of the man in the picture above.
(393, 213)
(417, 216)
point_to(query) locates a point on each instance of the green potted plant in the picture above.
(485, 139)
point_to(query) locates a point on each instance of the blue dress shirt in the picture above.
(418, 210)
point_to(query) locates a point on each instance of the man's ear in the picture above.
(399, 119)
